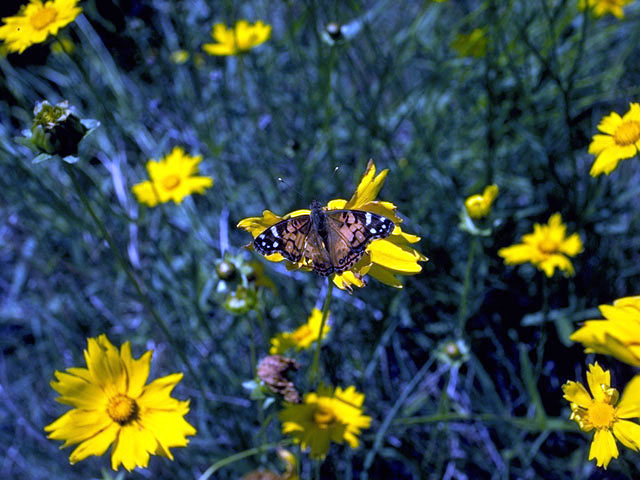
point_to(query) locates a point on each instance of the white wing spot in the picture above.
(264, 244)
(274, 231)
(275, 244)
(373, 230)
(368, 218)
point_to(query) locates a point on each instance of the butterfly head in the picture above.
(316, 206)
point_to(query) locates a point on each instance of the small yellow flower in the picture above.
(112, 405)
(618, 334)
(36, 21)
(324, 417)
(385, 258)
(479, 206)
(602, 7)
(599, 412)
(546, 248)
(622, 140)
(472, 44)
(301, 338)
(239, 39)
(179, 57)
(171, 179)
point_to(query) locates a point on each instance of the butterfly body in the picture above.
(331, 240)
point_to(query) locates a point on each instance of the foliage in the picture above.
(336, 84)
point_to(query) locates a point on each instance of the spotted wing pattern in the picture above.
(342, 243)
(287, 237)
(349, 232)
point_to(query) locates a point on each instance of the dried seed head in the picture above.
(272, 370)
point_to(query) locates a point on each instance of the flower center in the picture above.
(323, 416)
(170, 182)
(627, 133)
(548, 245)
(43, 17)
(122, 409)
(602, 415)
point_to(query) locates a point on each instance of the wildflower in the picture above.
(385, 258)
(616, 334)
(473, 44)
(325, 416)
(622, 140)
(302, 337)
(602, 7)
(171, 179)
(453, 352)
(479, 206)
(239, 39)
(112, 405)
(56, 131)
(599, 412)
(179, 57)
(36, 21)
(546, 248)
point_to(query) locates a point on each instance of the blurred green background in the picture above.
(392, 88)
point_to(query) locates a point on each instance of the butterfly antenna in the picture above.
(282, 180)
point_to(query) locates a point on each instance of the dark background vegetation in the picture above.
(522, 117)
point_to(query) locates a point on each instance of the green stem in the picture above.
(316, 356)
(382, 431)
(462, 312)
(127, 270)
(528, 424)
(239, 456)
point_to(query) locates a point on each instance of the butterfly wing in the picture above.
(287, 237)
(349, 232)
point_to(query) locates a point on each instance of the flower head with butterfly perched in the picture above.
(348, 239)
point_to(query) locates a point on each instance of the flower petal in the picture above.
(95, 445)
(597, 378)
(629, 405)
(369, 186)
(628, 433)
(603, 448)
(575, 392)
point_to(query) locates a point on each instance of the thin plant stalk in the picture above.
(462, 312)
(325, 313)
(127, 269)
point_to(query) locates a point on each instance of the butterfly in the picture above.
(332, 240)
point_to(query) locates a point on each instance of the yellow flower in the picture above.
(171, 179)
(617, 334)
(546, 248)
(240, 39)
(599, 412)
(602, 7)
(479, 206)
(112, 405)
(324, 417)
(179, 56)
(36, 21)
(472, 44)
(622, 140)
(301, 338)
(385, 258)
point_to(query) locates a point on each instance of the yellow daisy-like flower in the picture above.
(324, 417)
(602, 7)
(112, 405)
(599, 412)
(385, 258)
(479, 206)
(547, 247)
(622, 140)
(473, 44)
(302, 337)
(171, 179)
(36, 21)
(239, 39)
(617, 334)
